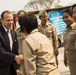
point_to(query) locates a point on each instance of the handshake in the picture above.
(19, 59)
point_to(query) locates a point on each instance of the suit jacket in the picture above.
(7, 64)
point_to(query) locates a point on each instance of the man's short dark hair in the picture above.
(6, 11)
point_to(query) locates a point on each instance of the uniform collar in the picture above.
(73, 24)
(46, 25)
(35, 30)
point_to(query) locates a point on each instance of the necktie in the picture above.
(8, 36)
(10, 39)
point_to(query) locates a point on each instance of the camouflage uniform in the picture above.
(21, 37)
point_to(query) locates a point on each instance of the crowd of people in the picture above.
(32, 49)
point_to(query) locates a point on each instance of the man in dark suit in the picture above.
(8, 46)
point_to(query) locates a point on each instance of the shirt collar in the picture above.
(73, 24)
(6, 29)
(33, 31)
(46, 25)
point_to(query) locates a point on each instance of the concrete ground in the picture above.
(64, 70)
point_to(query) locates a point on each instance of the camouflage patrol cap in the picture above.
(42, 13)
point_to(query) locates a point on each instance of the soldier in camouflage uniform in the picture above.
(49, 30)
(20, 37)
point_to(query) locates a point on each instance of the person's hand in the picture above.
(56, 60)
(18, 72)
(65, 59)
(65, 62)
(19, 59)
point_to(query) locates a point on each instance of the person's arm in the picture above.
(55, 44)
(17, 58)
(5, 56)
(29, 59)
(55, 41)
(65, 59)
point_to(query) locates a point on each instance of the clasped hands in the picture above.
(19, 59)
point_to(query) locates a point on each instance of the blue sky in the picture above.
(12, 5)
